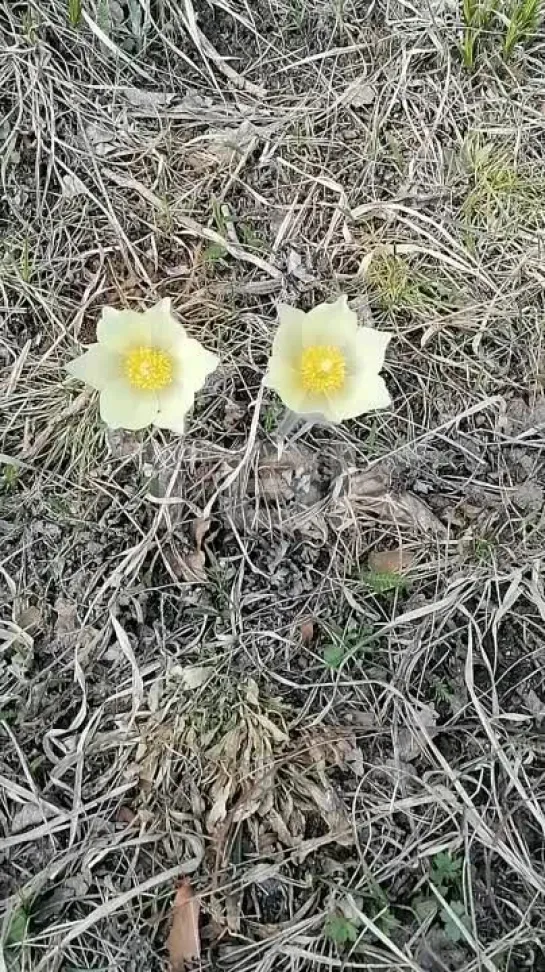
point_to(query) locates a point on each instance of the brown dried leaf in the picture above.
(330, 808)
(190, 567)
(411, 739)
(307, 632)
(200, 529)
(370, 492)
(184, 942)
(397, 561)
(250, 802)
(411, 511)
(329, 746)
(372, 482)
(125, 815)
(218, 811)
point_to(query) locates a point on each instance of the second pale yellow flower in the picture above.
(323, 364)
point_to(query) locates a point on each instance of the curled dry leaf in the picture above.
(184, 944)
(200, 529)
(191, 567)
(397, 561)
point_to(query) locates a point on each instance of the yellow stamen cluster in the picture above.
(322, 368)
(148, 369)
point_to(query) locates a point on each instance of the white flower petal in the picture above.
(286, 382)
(97, 367)
(361, 394)
(174, 404)
(332, 324)
(123, 407)
(370, 348)
(196, 363)
(288, 339)
(165, 330)
(120, 330)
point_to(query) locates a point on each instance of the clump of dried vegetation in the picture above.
(309, 681)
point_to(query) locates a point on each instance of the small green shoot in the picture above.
(446, 870)
(399, 287)
(425, 909)
(385, 581)
(219, 217)
(443, 690)
(388, 275)
(271, 416)
(250, 238)
(25, 263)
(214, 252)
(502, 196)
(452, 930)
(340, 930)
(30, 27)
(523, 22)
(484, 550)
(477, 16)
(74, 12)
(446, 876)
(18, 926)
(334, 655)
(347, 645)
(9, 479)
(103, 16)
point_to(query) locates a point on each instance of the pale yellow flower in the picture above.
(323, 364)
(145, 367)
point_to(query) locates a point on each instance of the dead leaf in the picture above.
(72, 186)
(328, 746)
(30, 619)
(278, 735)
(397, 561)
(194, 676)
(29, 815)
(125, 815)
(371, 482)
(224, 143)
(67, 613)
(307, 632)
(297, 269)
(218, 812)
(191, 567)
(184, 944)
(200, 528)
(359, 93)
(331, 809)
(187, 567)
(142, 98)
(250, 802)
(412, 737)
(369, 493)
(280, 828)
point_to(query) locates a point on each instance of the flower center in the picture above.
(148, 368)
(323, 368)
